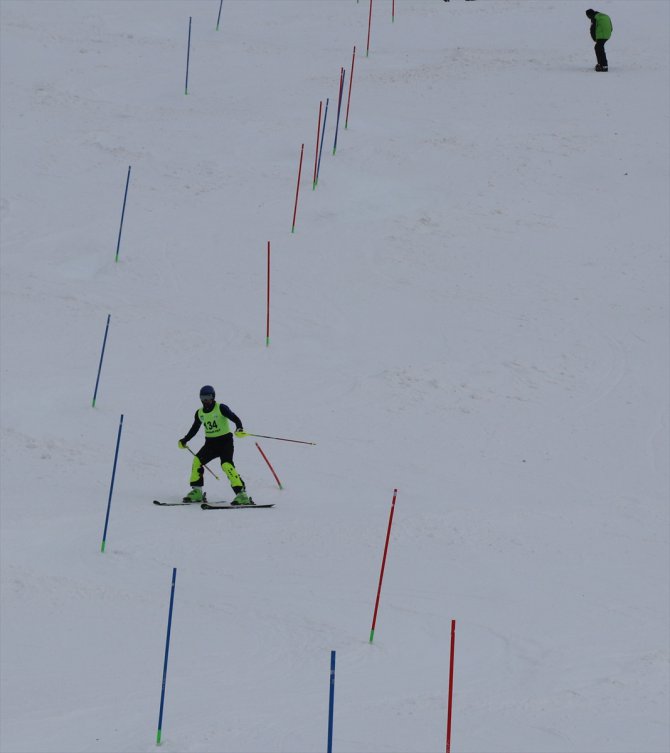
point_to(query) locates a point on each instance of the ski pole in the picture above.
(265, 436)
(203, 465)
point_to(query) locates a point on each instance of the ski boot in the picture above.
(242, 498)
(195, 495)
(601, 68)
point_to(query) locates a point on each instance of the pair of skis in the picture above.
(210, 506)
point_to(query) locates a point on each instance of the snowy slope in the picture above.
(473, 309)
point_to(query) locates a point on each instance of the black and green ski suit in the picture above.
(218, 443)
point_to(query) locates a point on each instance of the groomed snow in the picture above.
(473, 309)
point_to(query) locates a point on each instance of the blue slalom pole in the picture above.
(165, 663)
(123, 212)
(111, 486)
(331, 702)
(102, 354)
(219, 18)
(323, 133)
(339, 106)
(188, 53)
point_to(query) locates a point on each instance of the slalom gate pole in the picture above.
(165, 662)
(269, 465)
(188, 53)
(331, 702)
(351, 79)
(451, 684)
(381, 574)
(203, 465)
(267, 310)
(339, 106)
(123, 212)
(323, 133)
(392, 11)
(102, 355)
(367, 51)
(297, 189)
(111, 486)
(316, 154)
(281, 439)
(219, 18)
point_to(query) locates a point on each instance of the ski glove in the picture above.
(241, 433)
(182, 444)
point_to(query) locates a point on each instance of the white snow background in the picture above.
(473, 309)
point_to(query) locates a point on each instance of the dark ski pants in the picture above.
(600, 52)
(216, 447)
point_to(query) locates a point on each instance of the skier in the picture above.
(601, 31)
(215, 417)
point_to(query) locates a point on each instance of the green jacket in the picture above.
(603, 26)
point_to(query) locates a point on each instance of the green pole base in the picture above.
(372, 635)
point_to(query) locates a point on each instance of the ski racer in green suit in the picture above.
(215, 417)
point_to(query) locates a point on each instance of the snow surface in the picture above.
(473, 309)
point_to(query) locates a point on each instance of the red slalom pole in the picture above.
(451, 684)
(393, 11)
(351, 78)
(316, 156)
(267, 315)
(297, 190)
(269, 465)
(367, 52)
(381, 574)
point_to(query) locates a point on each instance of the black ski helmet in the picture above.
(207, 390)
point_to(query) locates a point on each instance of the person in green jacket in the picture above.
(601, 31)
